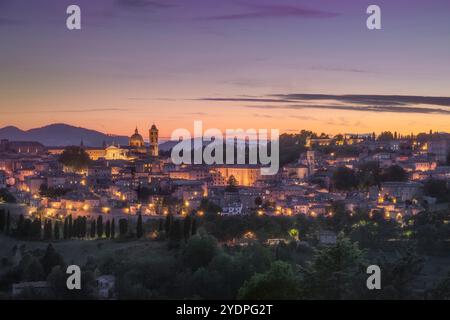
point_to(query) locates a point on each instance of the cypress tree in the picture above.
(69, 227)
(2, 220)
(47, 230)
(100, 226)
(176, 233)
(26, 228)
(65, 229)
(113, 229)
(123, 227)
(84, 227)
(187, 227)
(56, 231)
(108, 229)
(194, 226)
(35, 230)
(20, 226)
(75, 228)
(168, 224)
(93, 230)
(139, 229)
(8, 222)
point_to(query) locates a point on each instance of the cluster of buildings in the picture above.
(126, 180)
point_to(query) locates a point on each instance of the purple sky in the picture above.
(136, 62)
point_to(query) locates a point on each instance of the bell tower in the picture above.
(154, 150)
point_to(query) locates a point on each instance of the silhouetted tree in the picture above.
(75, 158)
(100, 226)
(8, 222)
(2, 220)
(56, 231)
(48, 230)
(168, 224)
(187, 225)
(344, 179)
(175, 233)
(139, 229)
(123, 227)
(20, 226)
(108, 229)
(394, 173)
(66, 229)
(69, 227)
(93, 229)
(113, 229)
(51, 259)
(194, 226)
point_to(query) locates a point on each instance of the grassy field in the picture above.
(76, 251)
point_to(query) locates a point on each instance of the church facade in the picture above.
(136, 148)
(137, 144)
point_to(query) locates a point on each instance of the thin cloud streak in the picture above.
(66, 111)
(274, 11)
(363, 103)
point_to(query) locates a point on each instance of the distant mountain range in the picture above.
(56, 135)
(61, 135)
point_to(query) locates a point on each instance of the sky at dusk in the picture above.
(285, 64)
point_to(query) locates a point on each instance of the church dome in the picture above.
(136, 140)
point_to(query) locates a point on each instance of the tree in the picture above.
(394, 173)
(83, 227)
(8, 222)
(51, 259)
(344, 179)
(369, 174)
(143, 194)
(280, 282)
(194, 226)
(108, 229)
(66, 229)
(2, 220)
(56, 231)
(437, 189)
(336, 272)
(176, 233)
(123, 227)
(139, 229)
(187, 225)
(442, 289)
(386, 136)
(113, 229)
(100, 226)
(48, 230)
(35, 231)
(199, 251)
(93, 229)
(69, 227)
(168, 224)
(75, 158)
(20, 226)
